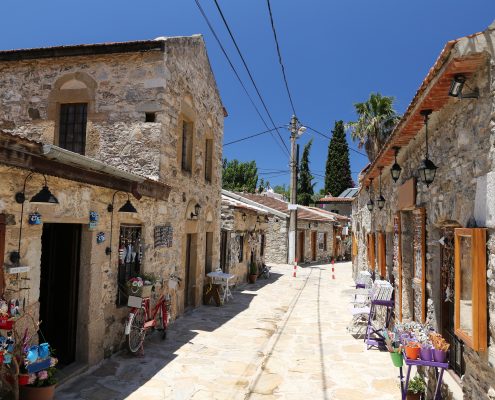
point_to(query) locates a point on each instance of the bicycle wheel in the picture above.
(163, 320)
(135, 337)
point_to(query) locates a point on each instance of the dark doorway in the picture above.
(224, 250)
(209, 252)
(190, 267)
(300, 247)
(60, 245)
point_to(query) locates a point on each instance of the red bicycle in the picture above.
(142, 318)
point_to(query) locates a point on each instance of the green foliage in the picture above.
(305, 189)
(283, 190)
(253, 268)
(417, 385)
(239, 176)
(338, 168)
(376, 120)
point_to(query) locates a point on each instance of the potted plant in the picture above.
(416, 388)
(412, 350)
(41, 385)
(253, 272)
(440, 347)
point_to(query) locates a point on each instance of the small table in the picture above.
(224, 279)
(409, 363)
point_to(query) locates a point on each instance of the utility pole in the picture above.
(296, 130)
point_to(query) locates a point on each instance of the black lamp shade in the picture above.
(197, 207)
(427, 171)
(128, 207)
(44, 196)
(380, 202)
(370, 205)
(395, 172)
(456, 85)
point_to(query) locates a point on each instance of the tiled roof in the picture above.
(330, 199)
(432, 94)
(341, 218)
(238, 204)
(303, 213)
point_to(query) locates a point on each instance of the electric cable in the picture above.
(250, 136)
(280, 57)
(328, 137)
(248, 72)
(235, 71)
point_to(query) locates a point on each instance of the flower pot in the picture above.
(23, 379)
(413, 396)
(252, 278)
(412, 352)
(36, 393)
(1, 358)
(396, 359)
(439, 355)
(426, 354)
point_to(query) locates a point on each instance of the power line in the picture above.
(250, 136)
(249, 72)
(234, 70)
(280, 56)
(328, 137)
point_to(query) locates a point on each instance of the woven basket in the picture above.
(143, 291)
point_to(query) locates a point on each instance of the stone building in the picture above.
(316, 239)
(341, 204)
(243, 235)
(142, 118)
(436, 242)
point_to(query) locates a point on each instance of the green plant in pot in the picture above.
(253, 272)
(416, 388)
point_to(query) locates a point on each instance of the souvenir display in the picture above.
(100, 237)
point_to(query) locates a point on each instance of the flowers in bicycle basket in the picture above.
(135, 284)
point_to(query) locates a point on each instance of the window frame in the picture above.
(382, 255)
(63, 126)
(371, 251)
(186, 146)
(478, 340)
(241, 248)
(121, 295)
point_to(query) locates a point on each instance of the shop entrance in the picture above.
(190, 267)
(300, 247)
(60, 258)
(313, 246)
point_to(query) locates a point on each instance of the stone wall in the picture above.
(277, 236)
(119, 89)
(320, 229)
(461, 145)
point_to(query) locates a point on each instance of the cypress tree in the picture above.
(338, 168)
(305, 188)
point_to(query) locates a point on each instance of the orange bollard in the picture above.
(333, 269)
(295, 269)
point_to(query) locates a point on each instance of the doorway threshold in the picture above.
(70, 372)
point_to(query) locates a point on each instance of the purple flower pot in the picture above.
(426, 354)
(439, 356)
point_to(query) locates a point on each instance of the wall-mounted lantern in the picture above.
(370, 203)
(427, 168)
(456, 86)
(396, 169)
(44, 196)
(197, 209)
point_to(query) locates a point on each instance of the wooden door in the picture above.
(59, 283)
(190, 270)
(313, 246)
(300, 247)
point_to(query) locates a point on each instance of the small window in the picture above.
(187, 145)
(208, 160)
(470, 287)
(72, 127)
(150, 117)
(130, 256)
(241, 248)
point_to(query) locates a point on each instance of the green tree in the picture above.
(338, 168)
(283, 190)
(376, 120)
(305, 189)
(239, 176)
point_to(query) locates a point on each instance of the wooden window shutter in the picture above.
(371, 251)
(382, 264)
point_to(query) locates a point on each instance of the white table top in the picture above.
(222, 275)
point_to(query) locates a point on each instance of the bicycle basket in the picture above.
(134, 302)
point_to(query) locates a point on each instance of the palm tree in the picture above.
(377, 119)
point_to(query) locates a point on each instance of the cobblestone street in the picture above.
(282, 338)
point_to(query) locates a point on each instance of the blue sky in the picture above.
(335, 52)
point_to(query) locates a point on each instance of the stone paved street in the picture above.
(279, 339)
